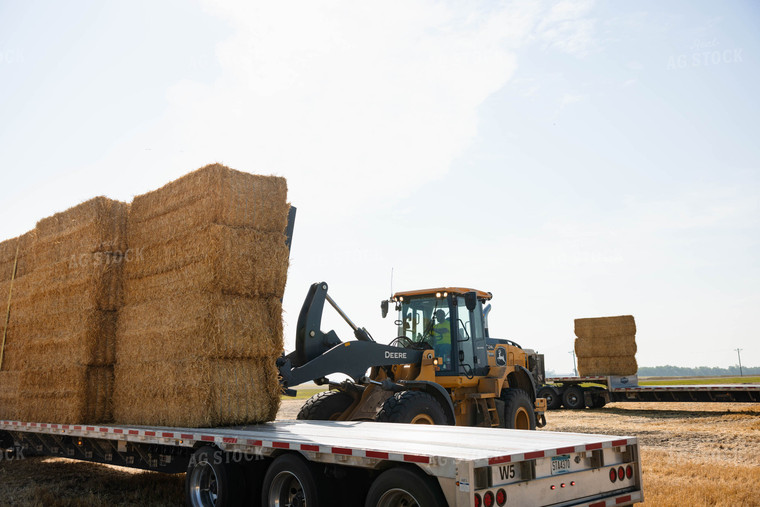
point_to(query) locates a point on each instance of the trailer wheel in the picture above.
(404, 487)
(518, 410)
(553, 399)
(572, 398)
(290, 482)
(325, 406)
(210, 482)
(414, 407)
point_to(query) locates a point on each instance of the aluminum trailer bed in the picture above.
(617, 388)
(470, 466)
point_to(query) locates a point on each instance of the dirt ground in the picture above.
(692, 453)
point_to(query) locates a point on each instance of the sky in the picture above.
(576, 159)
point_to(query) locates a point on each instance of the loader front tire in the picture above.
(412, 407)
(325, 406)
(518, 410)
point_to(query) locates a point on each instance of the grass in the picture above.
(701, 381)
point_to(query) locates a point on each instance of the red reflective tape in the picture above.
(15, 423)
(90, 428)
(185, 435)
(597, 504)
(229, 440)
(623, 499)
(533, 455)
(254, 442)
(565, 450)
(43, 425)
(118, 431)
(309, 447)
(65, 427)
(77, 427)
(133, 432)
(104, 430)
(150, 433)
(167, 435)
(54, 426)
(616, 443)
(33, 425)
(341, 450)
(500, 459)
(591, 447)
(411, 458)
(207, 438)
(376, 454)
(281, 445)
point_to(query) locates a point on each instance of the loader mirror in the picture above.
(384, 307)
(471, 300)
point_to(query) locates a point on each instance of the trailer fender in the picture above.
(436, 391)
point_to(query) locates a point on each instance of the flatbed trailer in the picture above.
(570, 393)
(357, 463)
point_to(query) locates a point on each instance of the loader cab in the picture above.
(451, 322)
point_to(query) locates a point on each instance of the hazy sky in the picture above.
(577, 159)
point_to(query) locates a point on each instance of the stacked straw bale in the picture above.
(201, 325)
(606, 346)
(66, 314)
(16, 251)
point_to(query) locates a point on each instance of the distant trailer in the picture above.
(568, 392)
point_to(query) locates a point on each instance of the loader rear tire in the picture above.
(553, 399)
(518, 410)
(325, 406)
(412, 407)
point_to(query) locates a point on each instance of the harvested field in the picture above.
(695, 454)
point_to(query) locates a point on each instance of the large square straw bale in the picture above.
(97, 225)
(8, 256)
(621, 365)
(200, 393)
(67, 394)
(605, 327)
(200, 325)
(214, 258)
(612, 346)
(213, 194)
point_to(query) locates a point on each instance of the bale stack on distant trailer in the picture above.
(606, 346)
(201, 327)
(65, 313)
(15, 264)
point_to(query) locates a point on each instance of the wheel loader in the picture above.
(442, 367)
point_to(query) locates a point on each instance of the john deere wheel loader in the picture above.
(442, 368)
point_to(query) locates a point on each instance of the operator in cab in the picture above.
(442, 337)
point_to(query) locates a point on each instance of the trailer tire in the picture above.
(553, 399)
(413, 407)
(403, 486)
(211, 482)
(290, 480)
(573, 399)
(325, 406)
(518, 410)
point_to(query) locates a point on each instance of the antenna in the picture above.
(391, 281)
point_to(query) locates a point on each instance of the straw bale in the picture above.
(614, 365)
(200, 325)
(211, 194)
(70, 338)
(13, 357)
(604, 327)
(24, 262)
(611, 346)
(71, 394)
(97, 225)
(9, 387)
(199, 393)
(214, 258)
(91, 283)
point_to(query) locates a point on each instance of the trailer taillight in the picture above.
(613, 475)
(501, 497)
(629, 471)
(477, 500)
(621, 473)
(488, 499)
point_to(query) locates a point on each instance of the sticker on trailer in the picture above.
(464, 485)
(560, 464)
